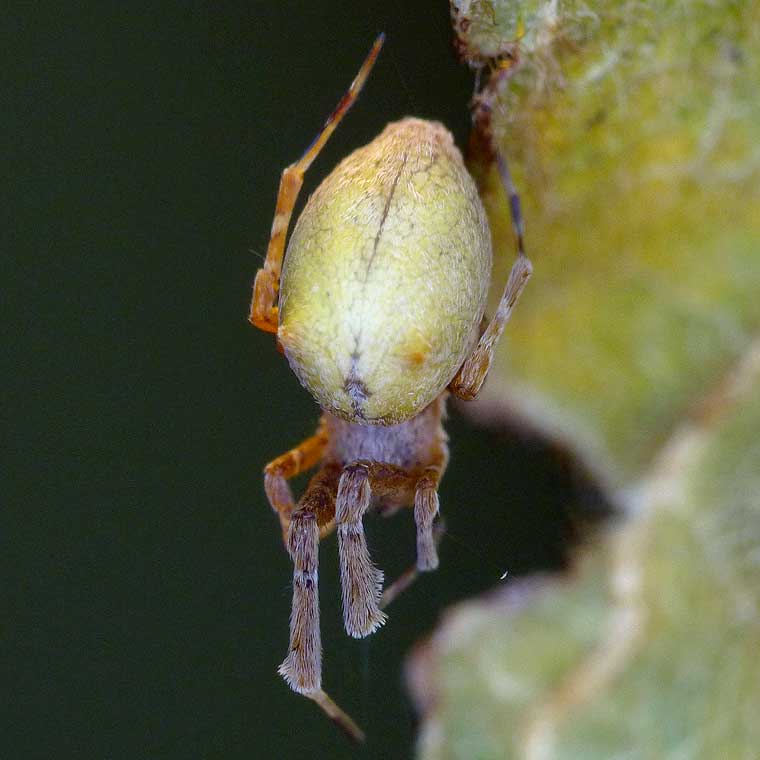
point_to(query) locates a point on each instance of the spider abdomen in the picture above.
(386, 276)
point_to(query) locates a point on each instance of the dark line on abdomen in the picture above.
(385, 216)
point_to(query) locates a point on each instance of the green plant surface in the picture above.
(633, 131)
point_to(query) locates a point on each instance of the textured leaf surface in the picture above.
(634, 135)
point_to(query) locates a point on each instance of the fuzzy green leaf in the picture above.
(633, 131)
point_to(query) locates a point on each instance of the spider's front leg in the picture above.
(302, 668)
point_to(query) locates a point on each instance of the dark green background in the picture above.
(145, 589)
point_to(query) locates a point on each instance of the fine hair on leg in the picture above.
(426, 506)
(361, 581)
(302, 668)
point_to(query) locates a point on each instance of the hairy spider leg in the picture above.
(315, 518)
(302, 667)
(472, 374)
(429, 531)
(264, 310)
(361, 581)
(426, 508)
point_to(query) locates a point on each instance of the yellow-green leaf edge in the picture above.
(633, 132)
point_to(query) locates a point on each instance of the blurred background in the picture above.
(146, 592)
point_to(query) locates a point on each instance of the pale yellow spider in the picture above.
(378, 309)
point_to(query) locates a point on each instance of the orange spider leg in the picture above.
(300, 459)
(264, 310)
(472, 374)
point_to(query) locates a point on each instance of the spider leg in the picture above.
(472, 374)
(361, 582)
(341, 718)
(302, 668)
(426, 506)
(264, 310)
(410, 575)
(276, 474)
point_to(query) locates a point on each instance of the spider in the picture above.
(378, 309)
